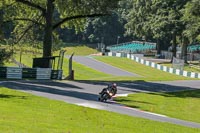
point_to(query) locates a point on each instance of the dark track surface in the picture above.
(85, 93)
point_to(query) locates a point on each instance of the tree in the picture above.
(144, 22)
(137, 18)
(158, 20)
(105, 29)
(191, 17)
(1, 25)
(43, 14)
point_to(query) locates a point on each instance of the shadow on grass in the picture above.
(116, 103)
(132, 101)
(11, 96)
(181, 94)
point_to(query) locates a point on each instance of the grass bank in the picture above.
(22, 112)
(147, 73)
(182, 105)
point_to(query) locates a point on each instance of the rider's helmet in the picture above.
(114, 85)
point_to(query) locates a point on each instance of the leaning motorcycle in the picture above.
(108, 92)
(103, 97)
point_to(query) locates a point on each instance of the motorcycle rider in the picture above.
(111, 88)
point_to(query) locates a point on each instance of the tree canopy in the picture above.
(47, 15)
(167, 22)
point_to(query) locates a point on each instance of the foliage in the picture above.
(105, 29)
(137, 18)
(165, 22)
(47, 15)
(161, 21)
(4, 56)
(192, 19)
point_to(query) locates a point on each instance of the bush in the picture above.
(4, 56)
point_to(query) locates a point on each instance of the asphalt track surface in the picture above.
(85, 93)
(100, 66)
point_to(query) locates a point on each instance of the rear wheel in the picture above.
(99, 99)
(104, 97)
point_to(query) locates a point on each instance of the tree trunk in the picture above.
(184, 49)
(158, 47)
(47, 43)
(1, 24)
(174, 45)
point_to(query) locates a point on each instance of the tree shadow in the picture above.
(49, 83)
(12, 96)
(117, 103)
(79, 90)
(180, 94)
(157, 88)
(58, 90)
(134, 101)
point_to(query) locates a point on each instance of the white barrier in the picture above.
(43, 73)
(14, 73)
(160, 67)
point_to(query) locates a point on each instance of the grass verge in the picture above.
(22, 112)
(82, 72)
(80, 50)
(147, 73)
(182, 105)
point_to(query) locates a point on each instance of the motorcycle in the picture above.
(108, 92)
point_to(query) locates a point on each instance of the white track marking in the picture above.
(91, 105)
(121, 95)
(145, 112)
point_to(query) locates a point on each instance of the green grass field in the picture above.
(147, 73)
(80, 50)
(182, 105)
(22, 112)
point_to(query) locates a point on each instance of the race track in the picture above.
(100, 66)
(86, 94)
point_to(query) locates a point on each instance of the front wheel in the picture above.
(99, 98)
(103, 97)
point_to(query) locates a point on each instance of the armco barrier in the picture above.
(29, 73)
(157, 66)
(43, 73)
(14, 73)
(56, 74)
